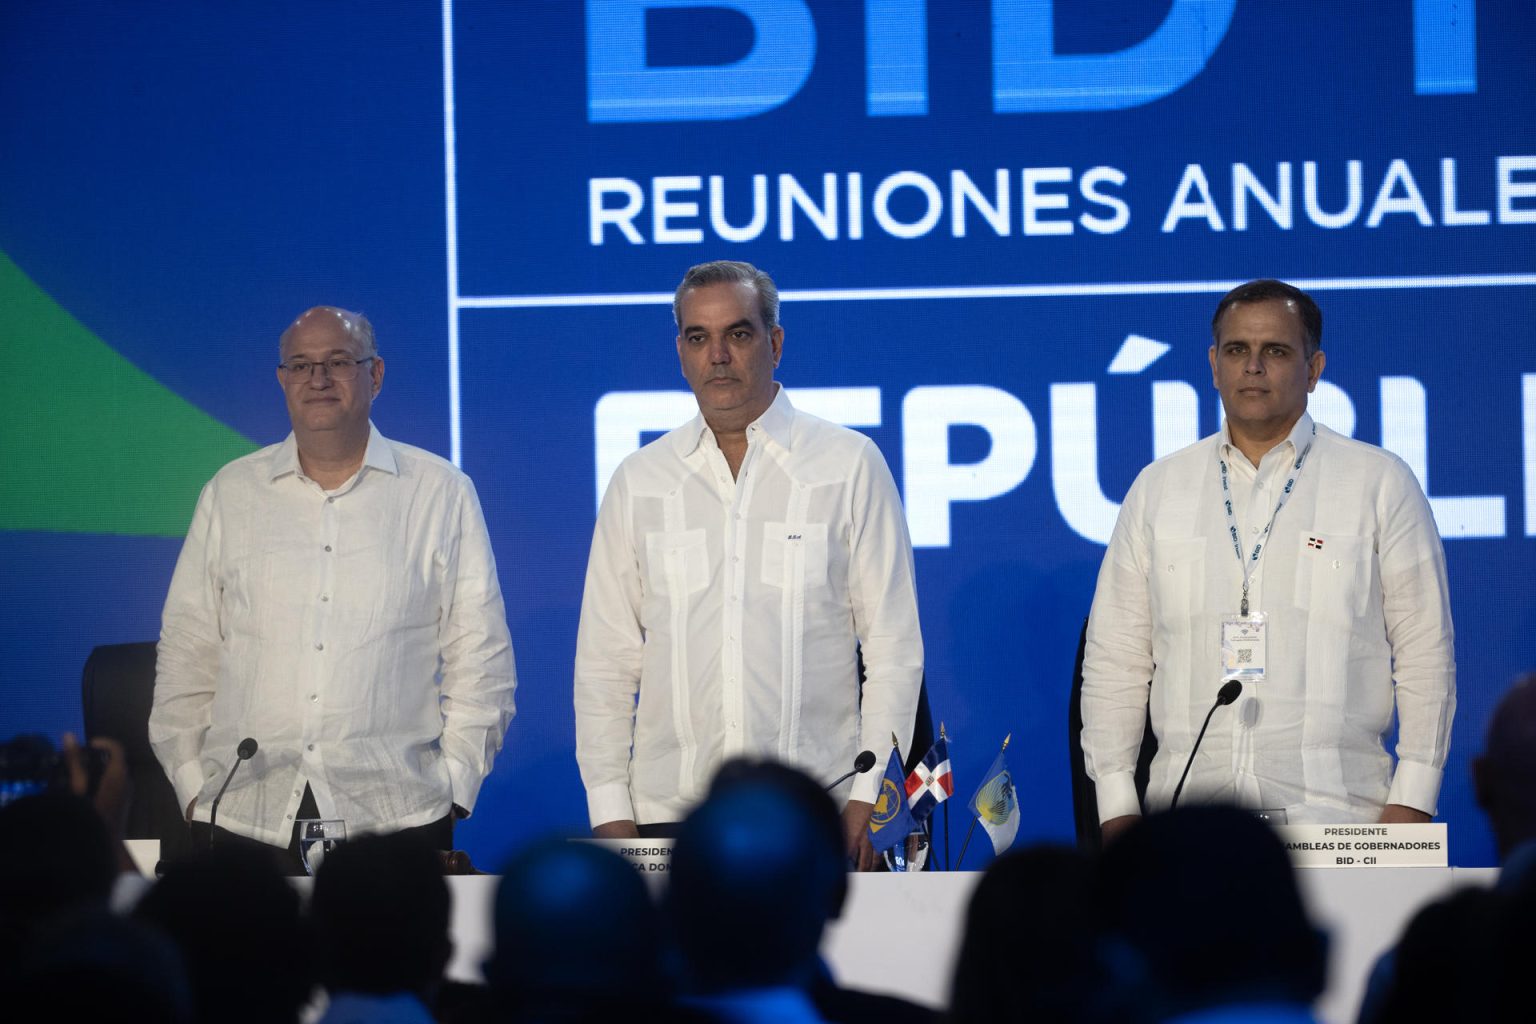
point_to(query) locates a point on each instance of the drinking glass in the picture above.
(318, 837)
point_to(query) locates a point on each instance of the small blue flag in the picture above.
(892, 820)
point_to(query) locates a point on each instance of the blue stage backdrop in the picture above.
(1000, 229)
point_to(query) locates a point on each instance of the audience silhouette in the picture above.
(236, 920)
(1202, 915)
(380, 914)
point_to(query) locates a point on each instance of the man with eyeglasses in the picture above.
(336, 600)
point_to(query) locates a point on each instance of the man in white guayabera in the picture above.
(1300, 562)
(740, 565)
(336, 601)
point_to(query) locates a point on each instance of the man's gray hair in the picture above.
(355, 324)
(730, 272)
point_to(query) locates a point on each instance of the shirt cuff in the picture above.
(866, 787)
(610, 803)
(188, 782)
(464, 784)
(1416, 785)
(1116, 795)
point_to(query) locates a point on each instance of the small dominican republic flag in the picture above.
(930, 783)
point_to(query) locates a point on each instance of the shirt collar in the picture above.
(777, 421)
(1299, 437)
(379, 455)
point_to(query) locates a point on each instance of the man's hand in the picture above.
(1401, 814)
(624, 829)
(1112, 829)
(861, 851)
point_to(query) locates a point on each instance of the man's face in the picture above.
(316, 401)
(727, 354)
(1259, 364)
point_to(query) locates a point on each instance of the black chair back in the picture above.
(116, 690)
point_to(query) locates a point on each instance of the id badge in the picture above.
(1243, 642)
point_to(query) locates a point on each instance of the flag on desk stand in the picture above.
(996, 805)
(891, 821)
(931, 782)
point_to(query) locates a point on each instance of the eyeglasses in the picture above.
(340, 369)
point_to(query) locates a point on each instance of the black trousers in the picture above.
(438, 833)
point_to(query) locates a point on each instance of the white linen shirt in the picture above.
(358, 635)
(1354, 585)
(721, 617)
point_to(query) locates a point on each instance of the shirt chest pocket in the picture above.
(677, 562)
(795, 555)
(1333, 576)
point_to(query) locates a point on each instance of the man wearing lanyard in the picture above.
(1293, 558)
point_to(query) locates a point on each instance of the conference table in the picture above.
(899, 934)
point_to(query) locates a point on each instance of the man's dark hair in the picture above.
(765, 847)
(1269, 290)
(730, 272)
(1504, 775)
(236, 920)
(380, 912)
(578, 937)
(56, 856)
(1207, 899)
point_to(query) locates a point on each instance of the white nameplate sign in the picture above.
(1365, 846)
(649, 856)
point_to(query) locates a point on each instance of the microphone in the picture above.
(244, 752)
(1230, 690)
(861, 764)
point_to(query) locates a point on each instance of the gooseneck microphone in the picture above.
(244, 752)
(1229, 692)
(861, 764)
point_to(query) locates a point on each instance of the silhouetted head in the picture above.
(576, 930)
(1504, 776)
(1205, 898)
(235, 918)
(1028, 952)
(55, 856)
(757, 872)
(380, 913)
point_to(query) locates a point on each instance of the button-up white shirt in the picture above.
(721, 616)
(1353, 582)
(358, 635)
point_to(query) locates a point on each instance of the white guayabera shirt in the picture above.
(1353, 583)
(358, 635)
(721, 617)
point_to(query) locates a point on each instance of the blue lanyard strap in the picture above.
(1251, 563)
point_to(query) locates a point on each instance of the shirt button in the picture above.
(310, 747)
(1253, 529)
(325, 597)
(297, 793)
(327, 547)
(330, 501)
(289, 817)
(319, 647)
(314, 698)
(1170, 568)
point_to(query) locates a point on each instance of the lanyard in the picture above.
(1251, 563)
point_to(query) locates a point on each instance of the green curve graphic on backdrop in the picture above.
(101, 448)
